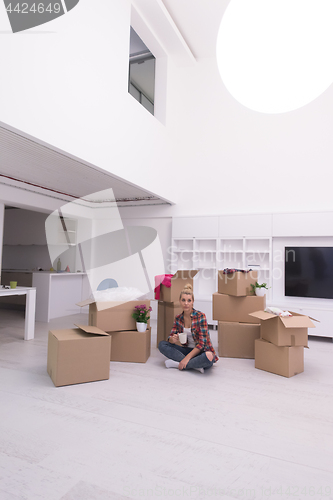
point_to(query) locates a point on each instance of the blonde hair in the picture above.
(187, 290)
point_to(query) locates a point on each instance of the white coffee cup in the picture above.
(182, 337)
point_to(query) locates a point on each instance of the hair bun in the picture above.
(187, 290)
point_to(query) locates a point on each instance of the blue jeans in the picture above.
(177, 353)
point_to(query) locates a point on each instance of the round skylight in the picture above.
(275, 56)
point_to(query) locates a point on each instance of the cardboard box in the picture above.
(288, 331)
(113, 316)
(166, 313)
(132, 347)
(78, 355)
(236, 340)
(236, 309)
(178, 281)
(285, 361)
(237, 283)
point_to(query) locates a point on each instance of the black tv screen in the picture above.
(309, 272)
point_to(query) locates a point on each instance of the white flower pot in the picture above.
(141, 327)
(260, 292)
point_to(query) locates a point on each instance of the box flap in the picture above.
(298, 321)
(92, 329)
(298, 314)
(294, 321)
(263, 315)
(102, 305)
(85, 302)
(185, 273)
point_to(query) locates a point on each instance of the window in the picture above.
(141, 76)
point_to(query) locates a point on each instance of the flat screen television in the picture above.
(308, 272)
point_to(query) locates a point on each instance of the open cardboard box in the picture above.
(284, 331)
(281, 360)
(113, 316)
(230, 308)
(78, 355)
(237, 283)
(131, 347)
(181, 278)
(236, 340)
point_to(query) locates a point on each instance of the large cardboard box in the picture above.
(178, 281)
(113, 316)
(288, 331)
(166, 313)
(132, 347)
(78, 355)
(285, 361)
(236, 340)
(236, 309)
(237, 283)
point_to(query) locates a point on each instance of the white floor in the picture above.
(149, 432)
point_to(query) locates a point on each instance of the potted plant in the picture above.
(259, 290)
(141, 316)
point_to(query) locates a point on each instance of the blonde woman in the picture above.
(195, 352)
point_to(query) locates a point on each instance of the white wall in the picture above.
(66, 83)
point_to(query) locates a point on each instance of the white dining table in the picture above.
(30, 307)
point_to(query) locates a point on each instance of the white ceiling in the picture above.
(199, 22)
(39, 167)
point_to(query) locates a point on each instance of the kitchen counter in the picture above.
(58, 293)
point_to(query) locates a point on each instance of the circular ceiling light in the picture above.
(275, 56)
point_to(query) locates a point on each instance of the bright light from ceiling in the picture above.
(275, 56)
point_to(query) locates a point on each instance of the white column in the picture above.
(30, 308)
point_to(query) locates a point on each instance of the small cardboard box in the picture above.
(285, 361)
(178, 281)
(236, 340)
(78, 355)
(132, 347)
(236, 309)
(166, 313)
(237, 283)
(288, 331)
(113, 316)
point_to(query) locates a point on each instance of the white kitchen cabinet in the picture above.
(245, 225)
(312, 224)
(58, 294)
(195, 227)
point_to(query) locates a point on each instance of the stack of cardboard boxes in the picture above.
(280, 349)
(168, 303)
(83, 354)
(232, 305)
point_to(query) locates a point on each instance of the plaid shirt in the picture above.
(199, 329)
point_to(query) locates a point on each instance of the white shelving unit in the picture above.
(208, 255)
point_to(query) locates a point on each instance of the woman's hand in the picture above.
(173, 339)
(183, 363)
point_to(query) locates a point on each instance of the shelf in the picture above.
(205, 245)
(211, 255)
(183, 244)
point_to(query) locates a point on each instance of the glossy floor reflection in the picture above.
(149, 432)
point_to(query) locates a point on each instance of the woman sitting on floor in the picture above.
(196, 352)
